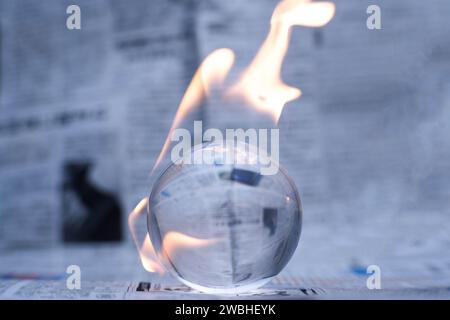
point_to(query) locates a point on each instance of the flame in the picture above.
(175, 241)
(210, 74)
(260, 84)
(145, 249)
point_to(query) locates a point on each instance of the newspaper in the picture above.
(367, 143)
(309, 276)
(54, 290)
(364, 143)
(99, 99)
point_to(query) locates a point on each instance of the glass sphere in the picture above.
(224, 228)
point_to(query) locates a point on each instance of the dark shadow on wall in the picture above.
(90, 214)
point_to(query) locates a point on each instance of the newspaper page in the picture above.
(84, 113)
(311, 276)
(364, 143)
(89, 110)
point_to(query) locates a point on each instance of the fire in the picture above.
(145, 249)
(211, 73)
(174, 241)
(259, 87)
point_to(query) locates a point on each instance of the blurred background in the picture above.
(84, 114)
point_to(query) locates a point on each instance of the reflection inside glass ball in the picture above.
(224, 228)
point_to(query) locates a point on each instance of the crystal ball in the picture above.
(224, 227)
